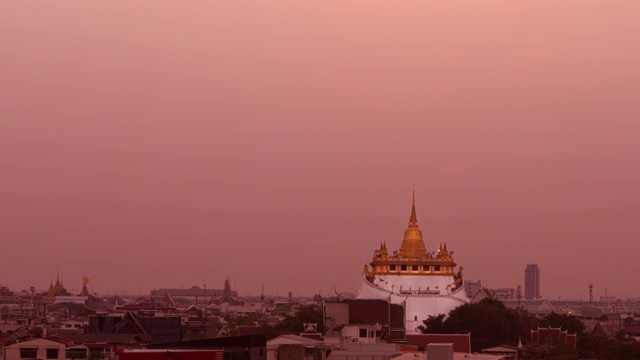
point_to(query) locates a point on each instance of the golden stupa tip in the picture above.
(413, 219)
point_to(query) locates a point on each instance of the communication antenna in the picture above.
(590, 294)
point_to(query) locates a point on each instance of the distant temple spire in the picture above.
(57, 289)
(85, 291)
(226, 293)
(58, 284)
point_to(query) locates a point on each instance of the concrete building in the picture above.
(472, 286)
(532, 282)
(351, 320)
(296, 347)
(504, 293)
(44, 349)
(425, 282)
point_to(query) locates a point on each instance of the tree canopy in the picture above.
(569, 323)
(295, 324)
(489, 321)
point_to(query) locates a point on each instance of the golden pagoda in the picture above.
(424, 281)
(413, 257)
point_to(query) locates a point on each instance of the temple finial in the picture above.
(413, 220)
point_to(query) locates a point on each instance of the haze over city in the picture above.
(165, 144)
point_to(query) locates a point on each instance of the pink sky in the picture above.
(159, 144)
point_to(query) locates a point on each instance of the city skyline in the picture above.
(271, 292)
(165, 144)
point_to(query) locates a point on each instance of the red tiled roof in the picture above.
(552, 335)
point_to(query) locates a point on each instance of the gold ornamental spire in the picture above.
(413, 219)
(412, 244)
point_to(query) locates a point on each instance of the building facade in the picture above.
(425, 282)
(532, 282)
(44, 349)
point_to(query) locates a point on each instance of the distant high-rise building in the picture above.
(532, 282)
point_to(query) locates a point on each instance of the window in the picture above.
(426, 268)
(392, 267)
(28, 353)
(52, 353)
(363, 333)
(403, 267)
(414, 267)
(436, 268)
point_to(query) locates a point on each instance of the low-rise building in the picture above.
(44, 349)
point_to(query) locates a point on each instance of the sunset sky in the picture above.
(151, 144)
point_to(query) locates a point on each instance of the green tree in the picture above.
(618, 350)
(527, 322)
(569, 323)
(295, 324)
(562, 352)
(590, 346)
(489, 322)
(433, 325)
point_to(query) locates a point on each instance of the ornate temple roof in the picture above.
(412, 258)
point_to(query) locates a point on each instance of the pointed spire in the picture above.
(57, 285)
(412, 244)
(413, 219)
(84, 291)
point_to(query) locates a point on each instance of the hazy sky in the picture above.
(154, 144)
